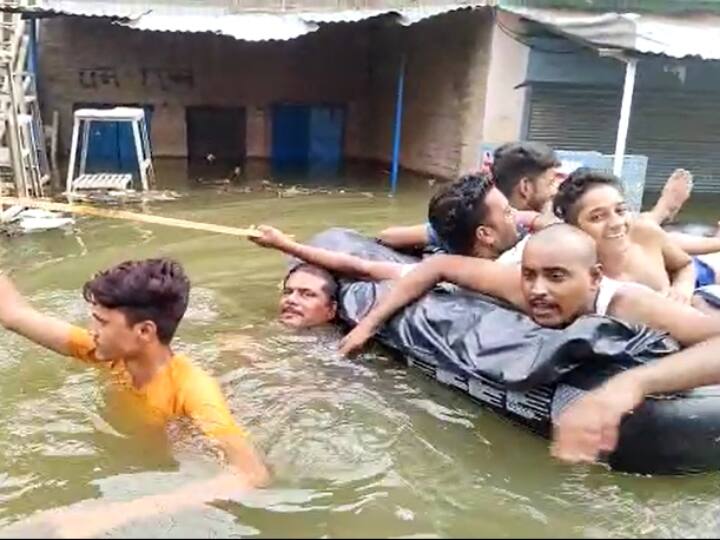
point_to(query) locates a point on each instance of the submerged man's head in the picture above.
(136, 305)
(560, 275)
(308, 297)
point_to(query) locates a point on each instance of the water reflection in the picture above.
(358, 448)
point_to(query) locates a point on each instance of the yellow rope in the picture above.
(87, 210)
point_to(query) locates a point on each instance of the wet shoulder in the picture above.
(187, 378)
(185, 372)
(190, 380)
(647, 232)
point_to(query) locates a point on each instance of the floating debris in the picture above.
(40, 220)
(18, 220)
(283, 191)
(126, 196)
(212, 181)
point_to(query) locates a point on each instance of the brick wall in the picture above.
(445, 85)
(93, 61)
(171, 71)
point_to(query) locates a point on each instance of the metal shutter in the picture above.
(574, 117)
(678, 129)
(673, 128)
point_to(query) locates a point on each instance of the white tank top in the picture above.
(514, 255)
(607, 291)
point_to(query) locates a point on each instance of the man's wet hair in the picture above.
(517, 160)
(582, 180)
(330, 284)
(154, 290)
(458, 210)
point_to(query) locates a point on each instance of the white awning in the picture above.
(678, 36)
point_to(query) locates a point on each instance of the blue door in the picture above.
(111, 147)
(290, 136)
(326, 137)
(307, 137)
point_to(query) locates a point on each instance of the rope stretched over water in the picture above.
(87, 210)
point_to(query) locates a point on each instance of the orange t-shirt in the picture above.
(178, 389)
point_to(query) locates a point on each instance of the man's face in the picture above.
(558, 287)
(114, 338)
(603, 214)
(541, 190)
(500, 222)
(304, 302)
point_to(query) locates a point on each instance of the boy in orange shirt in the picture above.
(136, 308)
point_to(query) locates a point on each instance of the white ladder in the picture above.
(23, 151)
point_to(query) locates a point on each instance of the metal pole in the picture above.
(84, 145)
(33, 62)
(398, 127)
(139, 154)
(73, 155)
(625, 109)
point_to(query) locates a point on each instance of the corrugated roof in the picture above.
(247, 26)
(121, 9)
(677, 36)
(406, 16)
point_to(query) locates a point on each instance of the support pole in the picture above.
(148, 163)
(398, 127)
(73, 155)
(625, 109)
(139, 154)
(84, 145)
(33, 63)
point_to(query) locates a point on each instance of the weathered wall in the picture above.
(93, 61)
(85, 61)
(445, 87)
(505, 104)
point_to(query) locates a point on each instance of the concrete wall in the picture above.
(505, 104)
(93, 61)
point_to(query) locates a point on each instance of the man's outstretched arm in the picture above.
(590, 426)
(402, 237)
(18, 316)
(684, 323)
(334, 261)
(481, 275)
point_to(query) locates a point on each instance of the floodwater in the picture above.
(358, 448)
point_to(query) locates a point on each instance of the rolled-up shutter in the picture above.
(574, 117)
(672, 128)
(678, 129)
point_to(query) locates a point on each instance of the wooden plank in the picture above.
(87, 210)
